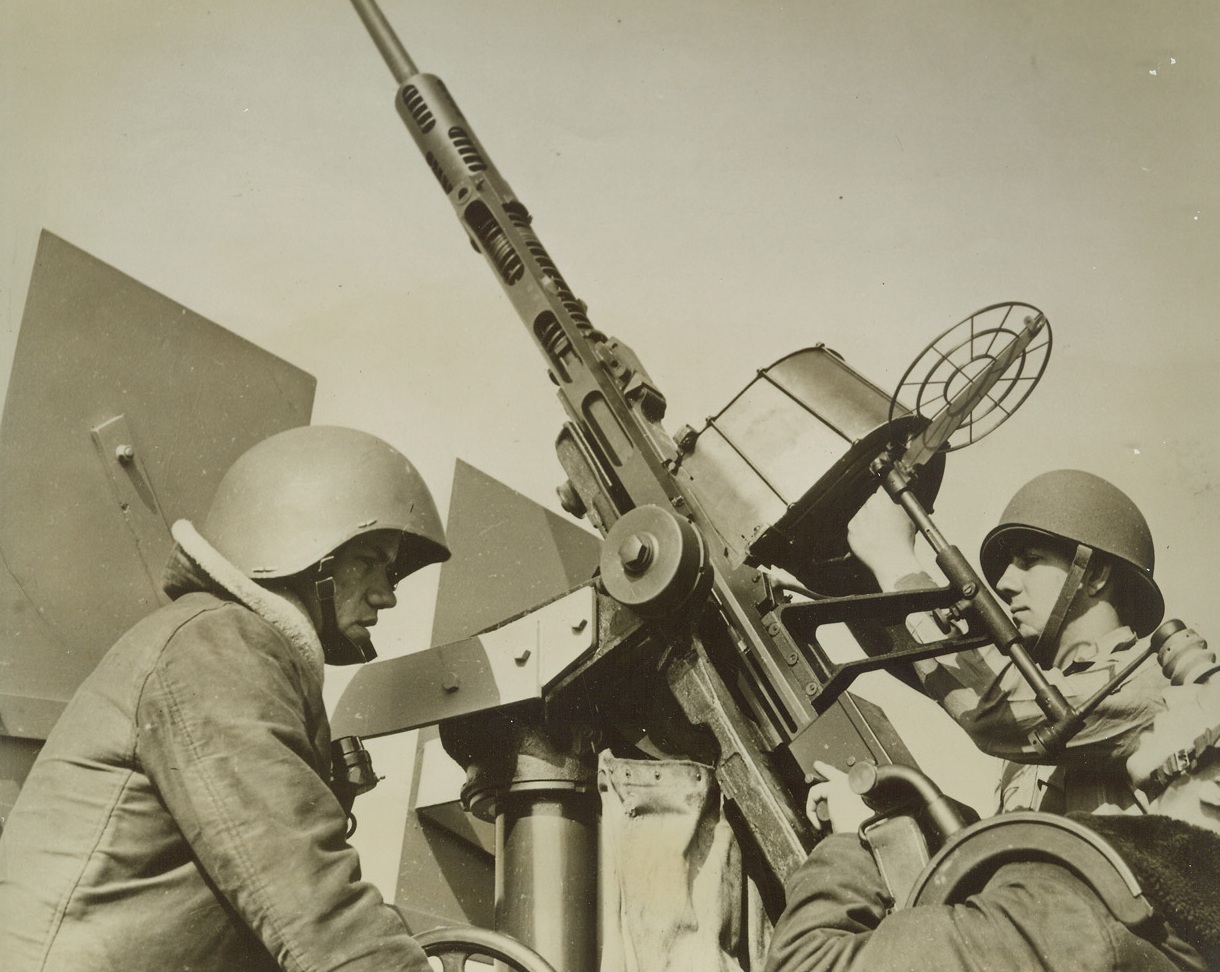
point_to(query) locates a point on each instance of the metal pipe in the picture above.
(395, 55)
(962, 576)
(546, 874)
(888, 789)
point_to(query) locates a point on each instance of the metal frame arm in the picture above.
(978, 599)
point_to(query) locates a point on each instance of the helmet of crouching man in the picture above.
(288, 503)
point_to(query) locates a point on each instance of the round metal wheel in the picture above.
(975, 375)
(653, 561)
(455, 946)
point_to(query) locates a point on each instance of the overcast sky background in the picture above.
(722, 182)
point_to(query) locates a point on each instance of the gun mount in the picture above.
(691, 616)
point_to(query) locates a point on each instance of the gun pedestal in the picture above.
(538, 783)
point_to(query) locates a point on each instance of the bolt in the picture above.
(812, 688)
(451, 683)
(792, 657)
(969, 589)
(569, 499)
(125, 454)
(635, 554)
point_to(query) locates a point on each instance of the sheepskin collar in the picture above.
(196, 565)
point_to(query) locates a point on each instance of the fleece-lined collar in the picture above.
(271, 607)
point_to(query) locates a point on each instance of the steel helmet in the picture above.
(1084, 509)
(297, 496)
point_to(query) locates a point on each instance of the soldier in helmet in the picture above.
(1072, 558)
(180, 815)
(1033, 911)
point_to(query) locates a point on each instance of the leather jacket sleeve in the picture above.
(232, 732)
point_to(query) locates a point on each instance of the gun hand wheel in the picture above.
(455, 946)
(974, 376)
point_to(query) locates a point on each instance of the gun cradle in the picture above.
(772, 480)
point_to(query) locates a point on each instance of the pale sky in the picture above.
(722, 182)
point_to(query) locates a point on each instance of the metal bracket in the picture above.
(133, 490)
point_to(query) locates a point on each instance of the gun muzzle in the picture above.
(395, 55)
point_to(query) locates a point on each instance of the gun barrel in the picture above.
(396, 57)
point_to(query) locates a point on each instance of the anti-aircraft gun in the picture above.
(723, 553)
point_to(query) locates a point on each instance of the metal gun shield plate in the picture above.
(123, 411)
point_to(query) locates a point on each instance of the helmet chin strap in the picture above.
(337, 647)
(1048, 640)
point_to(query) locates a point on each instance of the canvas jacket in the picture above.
(179, 816)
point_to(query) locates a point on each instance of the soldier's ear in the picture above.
(1099, 574)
